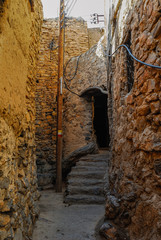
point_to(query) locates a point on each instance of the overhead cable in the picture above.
(69, 8)
(128, 50)
(73, 7)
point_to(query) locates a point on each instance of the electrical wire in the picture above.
(76, 69)
(128, 50)
(73, 7)
(70, 6)
(66, 86)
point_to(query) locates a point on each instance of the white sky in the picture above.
(82, 8)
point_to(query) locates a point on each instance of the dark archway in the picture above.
(100, 116)
(100, 121)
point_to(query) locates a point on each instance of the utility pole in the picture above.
(60, 98)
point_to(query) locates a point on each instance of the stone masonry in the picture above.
(78, 113)
(76, 42)
(134, 200)
(20, 25)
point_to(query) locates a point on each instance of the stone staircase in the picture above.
(86, 180)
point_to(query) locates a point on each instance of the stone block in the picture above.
(4, 220)
(152, 97)
(151, 85)
(129, 99)
(157, 29)
(155, 107)
(143, 110)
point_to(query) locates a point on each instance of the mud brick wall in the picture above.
(76, 42)
(19, 41)
(134, 200)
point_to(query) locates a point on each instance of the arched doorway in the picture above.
(100, 115)
(100, 121)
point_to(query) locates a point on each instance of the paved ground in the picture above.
(58, 221)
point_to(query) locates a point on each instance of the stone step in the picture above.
(84, 199)
(87, 174)
(85, 182)
(97, 156)
(93, 160)
(90, 163)
(89, 190)
(88, 168)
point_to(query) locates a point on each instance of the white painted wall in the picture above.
(112, 5)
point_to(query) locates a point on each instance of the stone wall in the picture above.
(19, 37)
(76, 42)
(133, 201)
(78, 113)
(94, 35)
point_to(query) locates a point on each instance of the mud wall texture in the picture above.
(133, 200)
(76, 42)
(78, 112)
(20, 25)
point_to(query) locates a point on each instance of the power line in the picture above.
(73, 6)
(128, 50)
(68, 9)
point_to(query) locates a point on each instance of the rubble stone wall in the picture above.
(76, 42)
(78, 119)
(134, 200)
(20, 27)
(94, 35)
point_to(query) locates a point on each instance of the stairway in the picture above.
(86, 180)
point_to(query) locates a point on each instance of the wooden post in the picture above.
(60, 99)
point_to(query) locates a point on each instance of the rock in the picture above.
(155, 107)
(108, 231)
(4, 220)
(4, 183)
(143, 110)
(157, 30)
(151, 85)
(152, 97)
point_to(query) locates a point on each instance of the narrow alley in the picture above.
(80, 120)
(61, 221)
(74, 214)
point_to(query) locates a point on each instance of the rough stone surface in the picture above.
(78, 39)
(133, 201)
(74, 157)
(94, 35)
(78, 112)
(86, 180)
(76, 42)
(20, 27)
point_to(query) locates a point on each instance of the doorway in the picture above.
(100, 121)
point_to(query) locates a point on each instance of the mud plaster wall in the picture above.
(135, 177)
(19, 38)
(78, 126)
(76, 42)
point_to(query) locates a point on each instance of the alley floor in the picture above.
(59, 221)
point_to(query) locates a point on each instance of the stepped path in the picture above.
(86, 180)
(78, 221)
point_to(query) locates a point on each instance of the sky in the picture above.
(82, 8)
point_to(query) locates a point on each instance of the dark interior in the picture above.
(100, 121)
